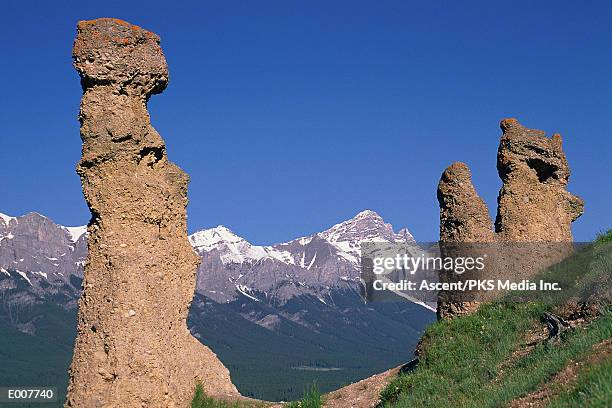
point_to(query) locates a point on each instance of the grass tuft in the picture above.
(311, 399)
(201, 400)
(604, 236)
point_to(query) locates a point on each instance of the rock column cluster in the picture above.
(534, 214)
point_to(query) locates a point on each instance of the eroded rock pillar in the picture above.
(534, 204)
(464, 219)
(133, 348)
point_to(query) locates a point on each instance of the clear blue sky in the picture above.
(291, 116)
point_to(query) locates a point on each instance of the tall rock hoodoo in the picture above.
(534, 214)
(133, 348)
(534, 205)
(464, 219)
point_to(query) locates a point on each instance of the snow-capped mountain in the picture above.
(232, 248)
(49, 258)
(316, 264)
(345, 238)
(46, 257)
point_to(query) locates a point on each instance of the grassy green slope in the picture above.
(482, 360)
(594, 388)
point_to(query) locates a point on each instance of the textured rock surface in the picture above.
(463, 214)
(534, 213)
(534, 205)
(463, 218)
(133, 347)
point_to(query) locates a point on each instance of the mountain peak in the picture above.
(367, 214)
(210, 238)
(233, 248)
(32, 215)
(366, 225)
(404, 235)
(35, 215)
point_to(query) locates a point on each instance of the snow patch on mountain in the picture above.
(24, 276)
(9, 236)
(6, 218)
(76, 232)
(43, 274)
(303, 263)
(246, 291)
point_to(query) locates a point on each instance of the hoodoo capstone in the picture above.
(133, 348)
(534, 215)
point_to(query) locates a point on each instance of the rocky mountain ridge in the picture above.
(315, 264)
(50, 257)
(46, 256)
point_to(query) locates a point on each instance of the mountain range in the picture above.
(51, 257)
(296, 303)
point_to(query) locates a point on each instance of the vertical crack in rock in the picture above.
(133, 347)
(534, 213)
